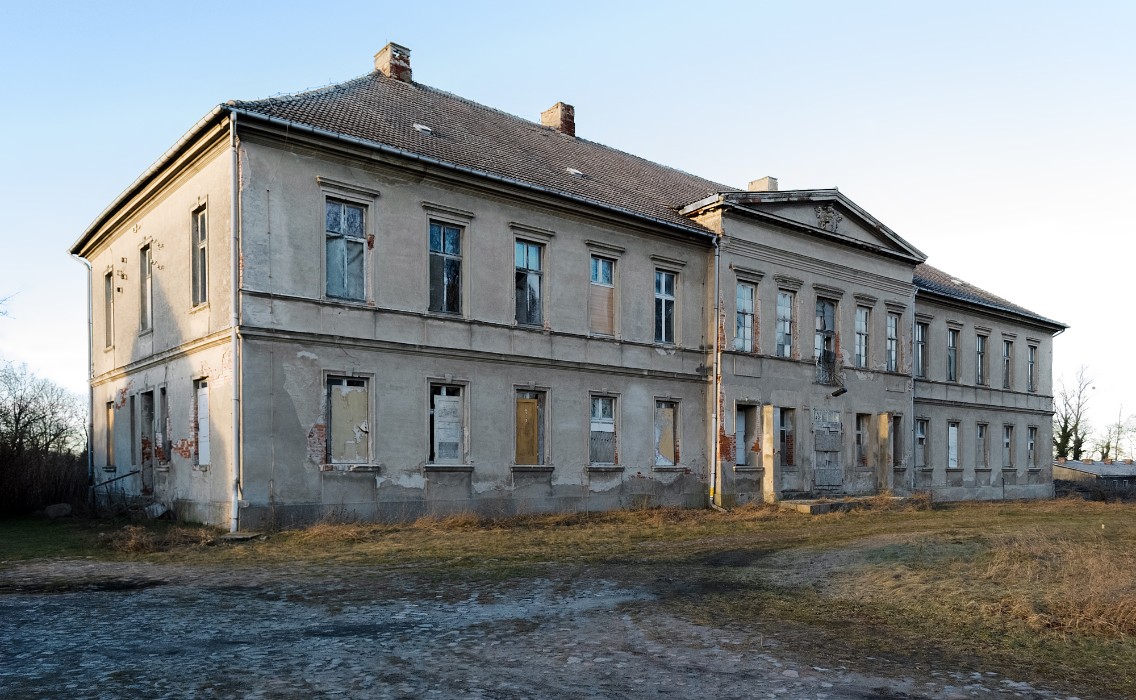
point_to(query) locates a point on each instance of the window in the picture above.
(348, 421)
(863, 321)
(108, 309)
(952, 445)
(786, 437)
(445, 267)
(980, 360)
(743, 328)
(530, 428)
(1007, 446)
(145, 289)
(1007, 364)
(921, 430)
(1031, 447)
(952, 354)
(199, 262)
(747, 437)
(201, 422)
(527, 258)
(666, 433)
(892, 342)
(863, 438)
(785, 301)
(601, 296)
(602, 447)
(447, 424)
(110, 434)
(346, 239)
(664, 306)
(1031, 376)
(981, 446)
(921, 332)
(896, 439)
(162, 441)
(133, 430)
(824, 344)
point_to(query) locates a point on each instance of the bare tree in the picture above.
(1116, 440)
(1070, 422)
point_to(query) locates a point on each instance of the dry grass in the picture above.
(140, 539)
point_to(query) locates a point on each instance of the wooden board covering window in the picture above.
(528, 438)
(601, 309)
(664, 434)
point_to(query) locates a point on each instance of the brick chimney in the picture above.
(394, 62)
(561, 117)
(765, 184)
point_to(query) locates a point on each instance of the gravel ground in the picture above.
(75, 629)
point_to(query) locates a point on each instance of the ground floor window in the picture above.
(348, 421)
(666, 433)
(921, 429)
(786, 436)
(530, 428)
(201, 422)
(747, 437)
(602, 445)
(447, 424)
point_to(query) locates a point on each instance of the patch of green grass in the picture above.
(39, 538)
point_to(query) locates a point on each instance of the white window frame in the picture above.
(863, 329)
(199, 256)
(1008, 447)
(892, 349)
(745, 316)
(363, 432)
(674, 405)
(666, 332)
(953, 444)
(601, 423)
(201, 437)
(1031, 374)
(1031, 446)
(981, 375)
(952, 354)
(785, 314)
(447, 387)
(982, 445)
(1007, 363)
(146, 288)
(922, 330)
(523, 270)
(108, 309)
(922, 440)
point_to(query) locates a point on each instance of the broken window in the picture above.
(145, 289)
(747, 437)
(529, 278)
(980, 359)
(1007, 363)
(863, 323)
(163, 445)
(824, 343)
(530, 428)
(201, 422)
(199, 260)
(786, 437)
(447, 424)
(445, 267)
(345, 240)
(108, 309)
(601, 296)
(110, 434)
(863, 438)
(981, 446)
(146, 441)
(1031, 447)
(133, 430)
(892, 342)
(1007, 445)
(785, 301)
(665, 306)
(895, 437)
(952, 354)
(666, 433)
(743, 328)
(1031, 376)
(921, 429)
(602, 444)
(952, 445)
(921, 332)
(348, 421)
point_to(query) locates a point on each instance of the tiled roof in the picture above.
(932, 279)
(381, 110)
(1116, 469)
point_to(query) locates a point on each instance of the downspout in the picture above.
(716, 447)
(235, 319)
(909, 473)
(90, 378)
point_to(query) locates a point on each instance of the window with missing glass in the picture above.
(529, 278)
(445, 267)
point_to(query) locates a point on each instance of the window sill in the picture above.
(110, 468)
(748, 468)
(604, 468)
(955, 470)
(359, 468)
(670, 468)
(164, 469)
(441, 468)
(533, 468)
(1034, 470)
(148, 331)
(204, 306)
(361, 303)
(983, 469)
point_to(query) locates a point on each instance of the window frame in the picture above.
(922, 442)
(365, 241)
(1007, 363)
(954, 430)
(659, 460)
(108, 309)
(201, 387)
(543, 449)
(952, 354)
(981, 373)
(146, 288)
(446, 385)
(785, 326)
(445, 305)
(787, 436)
(666, 327)
(982, 445)
(109, 448)
(892, 341)
(528, 272)
(601, 420)
(1031, 371)
(199, 256)
(748, 436)
(1031, 446)
(602, 257)
(922, 331)
(363, 381)
(863, 438)
(1009, 458)
(863, 332)
(745, 317)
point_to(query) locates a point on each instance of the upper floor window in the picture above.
(1007, 364)
(785, 301)
(863, 323)
(1032, 367)
(824, 342)
(199, 262)
(921, 331)
(345, 245)
(743, 328)
(952, 354)
(665, 306)
(529, 278)
(601, 296)
(145, 289)
(445, 267)
(892, 342)
(108, 309)
(980, 359)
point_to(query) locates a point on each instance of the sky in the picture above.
(996, 137)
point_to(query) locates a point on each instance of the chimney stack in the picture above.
(394, 62)
(765, 184)
(561, 117)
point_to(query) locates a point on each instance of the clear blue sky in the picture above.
(996, 137)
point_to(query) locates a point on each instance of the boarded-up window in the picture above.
(786, 437)
(201, 420)
(530, 428)
(601, 297)
(666, 443)
(345, 231)
(348, 421)
(110, 434)
(445, 267)
(952, 445)
(603, 435)
(447, 424)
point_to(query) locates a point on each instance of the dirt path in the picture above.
(84, 629)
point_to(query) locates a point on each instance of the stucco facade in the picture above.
(441, 308)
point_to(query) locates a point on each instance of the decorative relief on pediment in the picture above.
(828, 218)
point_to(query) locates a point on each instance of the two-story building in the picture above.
(383, 300)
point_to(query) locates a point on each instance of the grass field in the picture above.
(1044, 591)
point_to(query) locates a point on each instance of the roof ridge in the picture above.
(328, 89)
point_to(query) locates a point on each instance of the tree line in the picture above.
(1073, 434)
